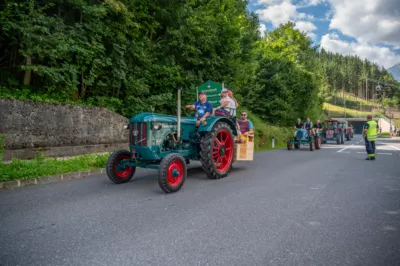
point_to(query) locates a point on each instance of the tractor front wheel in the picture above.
(289, 144)
(217, 150)
(172, 173)
(312, 145)
(117, 172)
(318, 143)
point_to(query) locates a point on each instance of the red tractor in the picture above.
(333, 130)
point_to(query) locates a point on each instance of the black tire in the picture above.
(208, 145)
(318, 143)
(289, 144)
(113, 173)
(297, 146)
(169, 163)
(312, 145)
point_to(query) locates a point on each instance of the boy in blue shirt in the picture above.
(203, 108)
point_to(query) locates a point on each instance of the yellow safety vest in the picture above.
(372, 131)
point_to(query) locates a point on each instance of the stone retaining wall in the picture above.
(58, 130)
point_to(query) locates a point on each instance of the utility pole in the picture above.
(366, 87)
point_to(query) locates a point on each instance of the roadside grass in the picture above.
(337, 111)
(41, 166)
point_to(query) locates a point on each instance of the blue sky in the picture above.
(367, 28)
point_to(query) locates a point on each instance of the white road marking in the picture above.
(390, 146)
(345, 148)
(385, 153)
(361, 152)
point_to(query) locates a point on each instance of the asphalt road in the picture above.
(327, 207)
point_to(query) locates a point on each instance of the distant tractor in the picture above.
(167, 143)
(303, 137)
(333, 130)
(348, 131)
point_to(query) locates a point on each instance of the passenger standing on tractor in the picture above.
(203, 108)
(369, 134)
(244, 126)
(234, 104)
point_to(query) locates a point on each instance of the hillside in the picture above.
(395, 70)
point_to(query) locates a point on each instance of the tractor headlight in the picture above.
(156, 126)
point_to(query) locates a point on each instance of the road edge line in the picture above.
(19, 183)
(390, 146)
(346, 148)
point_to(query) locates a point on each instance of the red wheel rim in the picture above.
(223, 150)
(175, 173)
(126, 171)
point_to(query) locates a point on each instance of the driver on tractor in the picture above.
(317, 127)
(203, 108)
(308, 126)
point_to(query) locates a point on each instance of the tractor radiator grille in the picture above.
(139, 134)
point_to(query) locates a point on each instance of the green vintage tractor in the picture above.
(168, 143)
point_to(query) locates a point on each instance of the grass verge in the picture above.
(41, 166)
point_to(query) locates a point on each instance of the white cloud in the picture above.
(368, 21)
(307, 3)
(380, 55)
(262, 29)
(280, 11)
(307, 27)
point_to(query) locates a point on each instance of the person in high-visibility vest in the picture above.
(369, 134)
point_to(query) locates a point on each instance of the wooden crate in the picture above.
(244, 151)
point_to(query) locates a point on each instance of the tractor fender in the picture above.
(212, 120)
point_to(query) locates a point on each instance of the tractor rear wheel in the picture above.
(217, 150)
(172, 173)
(116, 172)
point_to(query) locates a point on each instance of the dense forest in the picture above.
(130, 56)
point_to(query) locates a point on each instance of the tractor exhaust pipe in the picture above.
(179, 114)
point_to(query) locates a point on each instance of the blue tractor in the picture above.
(304, 137)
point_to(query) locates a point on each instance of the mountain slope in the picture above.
(395, 70)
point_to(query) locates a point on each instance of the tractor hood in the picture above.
(151, 117)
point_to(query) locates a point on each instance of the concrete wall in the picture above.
(58, 130)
